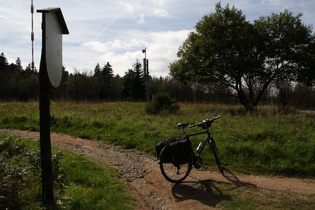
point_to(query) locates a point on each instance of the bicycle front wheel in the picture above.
(173, 173)
(216, 154)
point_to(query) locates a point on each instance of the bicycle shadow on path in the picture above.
(230, 176)
(209, 192)
(206, 192)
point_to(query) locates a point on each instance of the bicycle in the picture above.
(176, 173)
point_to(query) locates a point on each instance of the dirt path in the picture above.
(201, 190)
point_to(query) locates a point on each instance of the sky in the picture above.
(116, 31)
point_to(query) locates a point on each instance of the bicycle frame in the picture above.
(207, 139)
(197, 161)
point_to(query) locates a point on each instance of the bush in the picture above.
(19, 172)
(162, 101)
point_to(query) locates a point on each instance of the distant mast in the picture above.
(32, 34)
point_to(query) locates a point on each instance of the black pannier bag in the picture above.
(181, 151)
(158, 148)
(167, 157)
(177, 152)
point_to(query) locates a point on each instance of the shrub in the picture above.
(162, 101)
(19, 172)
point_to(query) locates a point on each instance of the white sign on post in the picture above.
(53, 49)
(53, 27)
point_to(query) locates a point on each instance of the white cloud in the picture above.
(142, 19)
(116, 31)
(161, 12)
(131, 7)
(161, 51)
(114, 45)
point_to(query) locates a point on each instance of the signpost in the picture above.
(146, 72)
(50, 74)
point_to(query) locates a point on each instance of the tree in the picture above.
(138, 84)
(80, 86)
(289, 49)
(134, 87)
(18, 65)
(117, 87)
(106, 76)
(29, 84)
(288, 46)
(231, 53)
(128, 80)
(97, 70)
(3, 77)
(3, 62)
(304, 97)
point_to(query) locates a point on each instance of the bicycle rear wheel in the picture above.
(215, 153)
(174, 173)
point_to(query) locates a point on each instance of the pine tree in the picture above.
(134, 87)
(139, 87)
(18, 65)
(105, 83)
(3, 62)
(97, 69)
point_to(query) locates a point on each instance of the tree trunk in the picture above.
(250, 108)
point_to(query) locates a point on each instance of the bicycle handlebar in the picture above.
(205, 123)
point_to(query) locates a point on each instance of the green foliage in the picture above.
(105, 82)
(162, 101)
(20, 172)
(78, 183)
(17, 83)
(275, 48)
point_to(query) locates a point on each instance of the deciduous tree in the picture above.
(232, 53)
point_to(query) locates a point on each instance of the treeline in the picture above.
(19, 84)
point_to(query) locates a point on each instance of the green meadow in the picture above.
(78, 182)
(268, 143)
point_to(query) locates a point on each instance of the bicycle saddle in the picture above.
(182, 125)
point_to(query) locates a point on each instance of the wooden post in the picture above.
(45, 143)
(50, 73)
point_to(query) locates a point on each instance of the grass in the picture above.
(93, 186)
(78, 182)
(268, 143)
